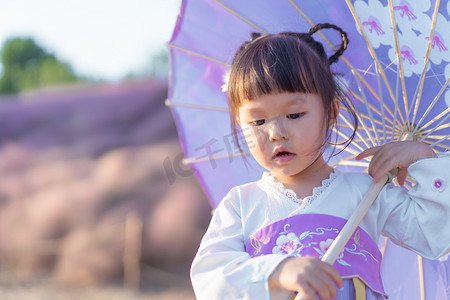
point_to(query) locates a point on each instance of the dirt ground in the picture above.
(155, 285)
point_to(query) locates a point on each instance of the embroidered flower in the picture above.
(323, 247)
(438, 184)
(287, 244)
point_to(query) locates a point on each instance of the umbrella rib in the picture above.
(407, 186)
(381, 131)
(437, 128)
(396, 103)
(348, 158)
(346, 137)
(446, 147)
(378, 122)
(438, 137)
(357, 132)
(388, 67)
(427, 57)
(399, 73)
(198, 54)
(197, 106)
(445, 112)
(434, 75)
(447, 137)
(373, 108)
(354, 152)
(370, 116)
(399, 59)
(241, 17)
(432, 104)
(365, 72)
(342, 57)
(383, 116)
(371, 50)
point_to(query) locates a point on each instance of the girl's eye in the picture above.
(294, 116)
(258, 122)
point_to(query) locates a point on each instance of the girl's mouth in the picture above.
(283, 156)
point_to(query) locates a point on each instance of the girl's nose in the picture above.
(277, 131)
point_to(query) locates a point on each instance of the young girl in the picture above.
(266, 238)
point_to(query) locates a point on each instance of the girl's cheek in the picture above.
(260, 136)
(254, 136)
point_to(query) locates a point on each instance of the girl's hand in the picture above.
(395, 155)
(307, 276)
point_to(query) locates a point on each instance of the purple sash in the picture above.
(311, 235)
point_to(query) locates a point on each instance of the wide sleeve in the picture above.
(222, 269)
(419, 219)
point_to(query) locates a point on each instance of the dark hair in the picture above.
(293, 63)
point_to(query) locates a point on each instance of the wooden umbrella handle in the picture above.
(352, 223)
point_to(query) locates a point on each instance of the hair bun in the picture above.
(333, 58)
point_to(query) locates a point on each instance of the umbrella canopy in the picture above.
(396, 70)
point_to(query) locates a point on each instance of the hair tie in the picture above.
(333, 58)
(254, 36)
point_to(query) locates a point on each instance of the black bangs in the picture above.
(273, 69)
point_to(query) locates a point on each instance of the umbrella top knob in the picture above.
(408, 132)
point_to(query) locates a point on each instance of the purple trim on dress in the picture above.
(311, 235)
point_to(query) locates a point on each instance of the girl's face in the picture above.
(284, 132)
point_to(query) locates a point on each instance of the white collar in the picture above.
(271, 182)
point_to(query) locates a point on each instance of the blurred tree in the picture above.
(27, 66)
(159, 64)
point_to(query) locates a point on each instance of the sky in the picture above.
(102, 39)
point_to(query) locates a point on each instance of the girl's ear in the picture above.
(335, 109)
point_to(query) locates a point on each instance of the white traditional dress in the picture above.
(259, 224)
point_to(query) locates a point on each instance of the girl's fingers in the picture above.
(395, 155)
(321, 281)
(331, 271)
(309, 276)
(318, 291)
(379, 166)
(382, 163)
(401, 176)
(306, 292)
(326, 276)
(376, 162)
(381, 171)
(367, 152)
(322, 284)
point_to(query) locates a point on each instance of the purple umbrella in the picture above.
(397, 77)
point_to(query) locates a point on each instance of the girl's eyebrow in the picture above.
(297, 101)
(255, 110)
